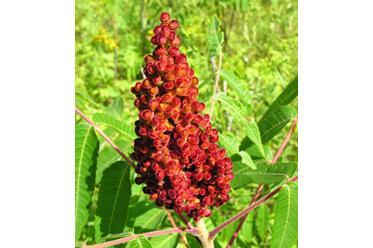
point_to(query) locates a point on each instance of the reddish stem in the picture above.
(260, 187)
(285, 141)
(242, 221)
(248, 209)
(108, 140)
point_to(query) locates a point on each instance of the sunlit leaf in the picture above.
(234, 82)
(149, 220)
(86, 149)
(229, 142)
(214, 37)
(121, 127)
(164, 241)
(140, 242)
(285, 228)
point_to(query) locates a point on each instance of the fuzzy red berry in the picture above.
(176, 152)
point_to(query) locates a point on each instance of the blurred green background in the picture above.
(259, 49)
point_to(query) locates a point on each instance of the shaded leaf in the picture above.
(107, 156)
(247, 229)
(240, 168)
(286, 97)
(192, 241)
(285, 227)
(252, 138)
(86, 149)
(273, 123)
(272, 173)
(262, 220)
(113, 199)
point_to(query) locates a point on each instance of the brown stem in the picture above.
(260, 187)
(247, 210)
(108, 140)
(193, 231)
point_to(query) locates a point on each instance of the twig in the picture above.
(243, 219)
(248, 209)
(171, 219)
(285, 142)
(260, 187)
(108, 140)
(217, 79)
(193, 231)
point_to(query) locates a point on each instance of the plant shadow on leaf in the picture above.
(113, 198)
(137, 210)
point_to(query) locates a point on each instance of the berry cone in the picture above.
(177, 157)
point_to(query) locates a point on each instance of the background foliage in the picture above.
(257, 40)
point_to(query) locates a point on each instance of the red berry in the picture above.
(165, 17)
(176, 151)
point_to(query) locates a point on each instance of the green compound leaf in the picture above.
(247, 229)
(278, 114)
(107, 156)
(140, 242)
(113, 199)
(274, 122)
(262, 221)
(286, 97)
(235, 108)
(229, 142)
(237, 86)
(285, 228)
(122, 128)
(86, 150)
(116, 108)
(215, 37)
(164, 241)
(268, 173)
(242, 165)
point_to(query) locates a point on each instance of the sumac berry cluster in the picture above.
(176, 150)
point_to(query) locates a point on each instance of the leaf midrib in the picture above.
(287, 217)
(149, 220)
(79, 170)
(115, 201)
